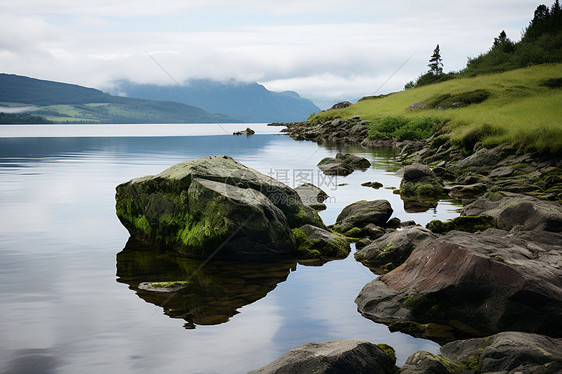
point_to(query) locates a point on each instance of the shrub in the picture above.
(403, 128)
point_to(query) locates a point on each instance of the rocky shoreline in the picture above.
(495, 269)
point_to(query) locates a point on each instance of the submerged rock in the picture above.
(340, 356)
(343, 164)
(246, 132)
(506, 352)
(491, 281)
(214, 206)
(420, 181)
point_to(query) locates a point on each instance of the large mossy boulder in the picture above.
(214, 206)
(490, 282)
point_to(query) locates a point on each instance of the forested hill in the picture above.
(68, 103)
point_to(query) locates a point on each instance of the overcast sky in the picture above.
(324, 49)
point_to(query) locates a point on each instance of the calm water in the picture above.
(69, 280)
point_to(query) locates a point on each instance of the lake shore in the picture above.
(510, 224)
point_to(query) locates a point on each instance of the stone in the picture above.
(214, 206)
(362, 213)
(492, 281)
(420, 181)
(246, 132)
(511, 210)
(375, 185)
(393, 248)
(462, 223)
(317, 242)
(335, 357)
(467, 191)
(480, 158)
(506, 352)
(502, 172)
(310, 194)
(343, 164)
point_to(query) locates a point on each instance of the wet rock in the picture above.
(310, 194)
(502, 172)
(462, 223)
(248, 131)
(506, 352)
(343, 164)
(467, 191)
(482, 158)
(491, 282)
(420, 181)
(214, 206)
(317, 242)
(375, 185)
(362, 213)
(393, 248)
(340, 356)
(510, 210)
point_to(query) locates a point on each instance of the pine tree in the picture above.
(435, 62)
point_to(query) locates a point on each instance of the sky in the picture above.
(325, 50)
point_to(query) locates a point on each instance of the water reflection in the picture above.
(201, 294)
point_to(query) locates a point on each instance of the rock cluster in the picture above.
(343, 164)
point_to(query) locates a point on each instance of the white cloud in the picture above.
(317, 48)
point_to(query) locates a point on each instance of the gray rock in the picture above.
(506, 352)
(393, 248)
(420, 181)
(343, 164)
(510, 281)
(467, 191)
(327, 243)
(310, 194)
(510, 210)
(482, 157)
(362, 213)
(502, 172)
(214, 206)
(248, 131)
(340, 356)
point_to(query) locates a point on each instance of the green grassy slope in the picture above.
(520, 109)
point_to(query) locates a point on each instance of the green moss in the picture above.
(427, 308)
(354, 232)
(141, 224)
(469, 364)
(408, 327)
(463, 223)
(389, 247)
(169, 284)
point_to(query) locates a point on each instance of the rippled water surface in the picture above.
(69, 277)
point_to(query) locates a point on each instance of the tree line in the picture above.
(541, 43)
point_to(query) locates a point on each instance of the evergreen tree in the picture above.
(435, 62)
(504, 43)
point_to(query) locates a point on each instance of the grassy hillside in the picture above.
(522, 107)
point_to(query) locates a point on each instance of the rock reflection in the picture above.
(200, 293)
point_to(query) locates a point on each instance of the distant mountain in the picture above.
(250, 102)
(69, 103)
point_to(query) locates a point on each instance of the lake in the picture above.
(69, 282)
